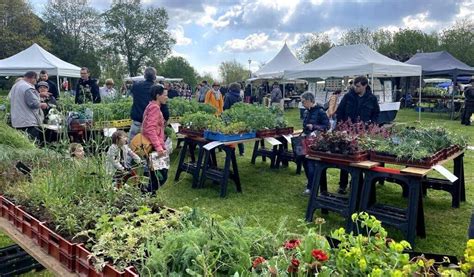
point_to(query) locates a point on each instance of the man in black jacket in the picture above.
(231, 97)
(468, 104)
(53, 89)
(87, 89)
(359, 104)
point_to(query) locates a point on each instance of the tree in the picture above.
(19, 28)
(459, 41)
(232, 71)
(314, 47)
(137, 33)
(205, 76)
(75, 31)
(407, 42)
(178, 67)
(360, 35)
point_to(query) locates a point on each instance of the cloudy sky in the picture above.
(211, 31)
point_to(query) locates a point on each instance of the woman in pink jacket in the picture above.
(153, 128)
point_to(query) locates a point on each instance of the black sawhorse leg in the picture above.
(322, 199)
(192, 168)
(410, 220)
(222, 175)
(260, 150)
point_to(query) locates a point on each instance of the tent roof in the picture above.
(352, 60)
(36, 59)
(285, 59)
(440, 63)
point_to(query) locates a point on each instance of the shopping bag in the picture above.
(141, 145)
(298, 143)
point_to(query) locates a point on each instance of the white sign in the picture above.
(443, 171)
(273, 141)
(109, 131)
(175, 126)
(212, 145)
(288, 137)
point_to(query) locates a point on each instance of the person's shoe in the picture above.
(306, 192)
(341, 191)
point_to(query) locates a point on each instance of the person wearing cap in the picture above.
(215, 99)
(108, 91)
(26, 107)
(52, 88)
(468, 104)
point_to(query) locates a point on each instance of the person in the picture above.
(43, 89)
(76, 151)
(87, 89)
(197, 91)
(203, 91)
(314, 120)
(154, 129)
(53, 89)
(141, 98)
(173, 92)
(26, 107)
(358, 105)
(248, 93)
(233, 96)
(119, 158)
(108, 91)
(214, 98)
(276, 95)
(332, 107)
(126, 89)
(468, 104)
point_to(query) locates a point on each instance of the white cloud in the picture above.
(252, 43)
(466, 9)
(179, 54)
(419, 21)
(178, 34)
(212, 69)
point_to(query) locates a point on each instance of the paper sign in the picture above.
(273, 141)
(470, 147)
(109, 131)
(175, 126)
(443, 171)
(288, 138)
(212, 145)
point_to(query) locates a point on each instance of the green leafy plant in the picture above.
(199, 121)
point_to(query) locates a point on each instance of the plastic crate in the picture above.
(15, 261)
(190, 132)
(427, 162)
(131, 272)
(223, 137)
(353, 158)
(27, 224)
(284, 131)
(266, 133)
(56, 241)
(110, 271)
(7, 209)
(123, 123)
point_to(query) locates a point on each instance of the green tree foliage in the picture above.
(74, 28)
(459, 41)
(178, 67)
(137, 33)
(360, 35)
(19, 28)
(205, 76)
(314, 47)
(407, 42)
(232, 71)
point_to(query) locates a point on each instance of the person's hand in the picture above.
(161, 153)
(45, 94)
(43, 106)
(309, 126)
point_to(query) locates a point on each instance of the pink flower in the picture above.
(258, 261)
(292, 244)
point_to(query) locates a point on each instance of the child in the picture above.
(118, 159)
(76, 151)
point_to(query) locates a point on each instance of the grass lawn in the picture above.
(271, 196)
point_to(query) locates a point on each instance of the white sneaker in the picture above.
(307, 192)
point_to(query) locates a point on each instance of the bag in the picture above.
(326, 106)
(141, 145)
(299, 146)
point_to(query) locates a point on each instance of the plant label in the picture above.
(443, 171)
(175, 126)
(288, 137)
(212, 145)
(109, 131)
(273, 141)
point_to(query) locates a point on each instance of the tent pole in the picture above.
(58, 85)
(419, 101)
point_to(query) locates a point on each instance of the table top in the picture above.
(201, 139)
(33, 249)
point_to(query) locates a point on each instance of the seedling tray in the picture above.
(223, 137)
(190, 132)
(427, 162)
(266, 133)
(327, 156)
(284, 131)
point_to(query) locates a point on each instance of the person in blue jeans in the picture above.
(314, 120)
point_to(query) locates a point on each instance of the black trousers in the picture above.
(466, 116)
(157, 180)
(35, 133)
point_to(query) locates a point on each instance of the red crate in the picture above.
(27, 224)
(82, 254)
(284, 131)
(131, 272)
(7, 209)
(353, 158)
(190, 132)
(110, 271)
(427, 162)
(64, 245)
(69, 262)
(266, 133)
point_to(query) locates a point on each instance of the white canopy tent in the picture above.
(274, 69)
(353, 60)
(35, 58)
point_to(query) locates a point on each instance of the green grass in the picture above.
(271, 195)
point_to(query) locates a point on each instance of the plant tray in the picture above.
(55, 242)
(325, 156)
(131, 272)
(27, 224)
(123, 123)
(190, 132)
(78, 125)
(223, 137)
(110, 271)
(451, 150)
(7, 209)
(266, 133)
(423, 163)
(284, 131)
(52, 249)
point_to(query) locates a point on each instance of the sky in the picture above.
(208, 32)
